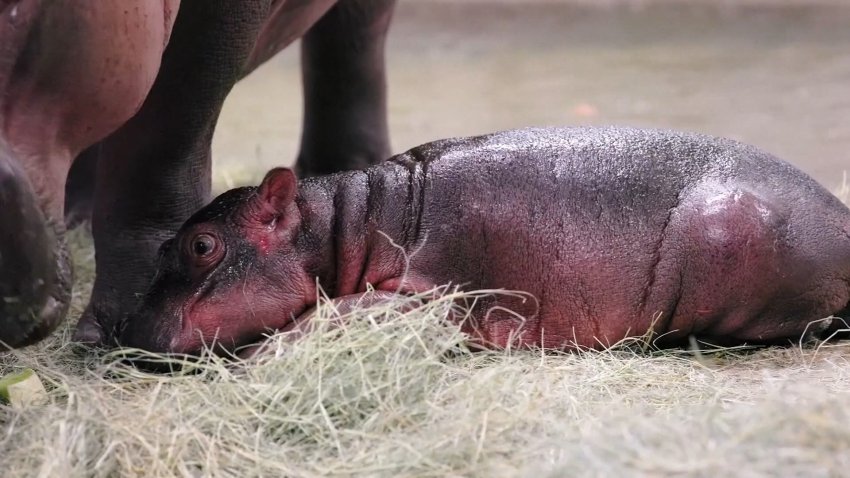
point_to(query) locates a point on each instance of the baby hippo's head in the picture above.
(231, 273)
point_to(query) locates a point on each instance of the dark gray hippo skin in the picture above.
(614, 231)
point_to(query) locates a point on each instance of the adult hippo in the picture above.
(614, 232)
(138, 86)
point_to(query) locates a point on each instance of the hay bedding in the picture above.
(403, 397)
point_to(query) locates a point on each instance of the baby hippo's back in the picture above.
(613, 231)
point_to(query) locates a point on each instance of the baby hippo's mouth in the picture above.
(270, 341)
(185, 332)
(255, 349)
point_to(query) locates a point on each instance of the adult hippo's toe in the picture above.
(89, 331)
(35, 275)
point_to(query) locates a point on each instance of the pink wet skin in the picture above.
(613, 231)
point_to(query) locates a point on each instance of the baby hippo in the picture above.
(615, 232)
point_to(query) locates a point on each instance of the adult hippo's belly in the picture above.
(119, 101)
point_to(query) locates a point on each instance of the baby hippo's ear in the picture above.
(275, 194)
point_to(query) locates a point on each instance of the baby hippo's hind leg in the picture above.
(821, 236)
(756, 268)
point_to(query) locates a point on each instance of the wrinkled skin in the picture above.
(111, 106)
(614, 231)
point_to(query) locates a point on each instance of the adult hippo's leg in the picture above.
(345, 94)
(345, 105)
(155, 170)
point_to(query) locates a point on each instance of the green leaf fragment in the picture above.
(22, 389)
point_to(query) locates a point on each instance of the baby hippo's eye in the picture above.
(203, 244)
(202, 251)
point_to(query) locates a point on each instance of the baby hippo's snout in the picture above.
(141, 330)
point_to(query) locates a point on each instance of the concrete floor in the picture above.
(775, 74)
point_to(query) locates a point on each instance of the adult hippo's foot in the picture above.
(35, 271)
